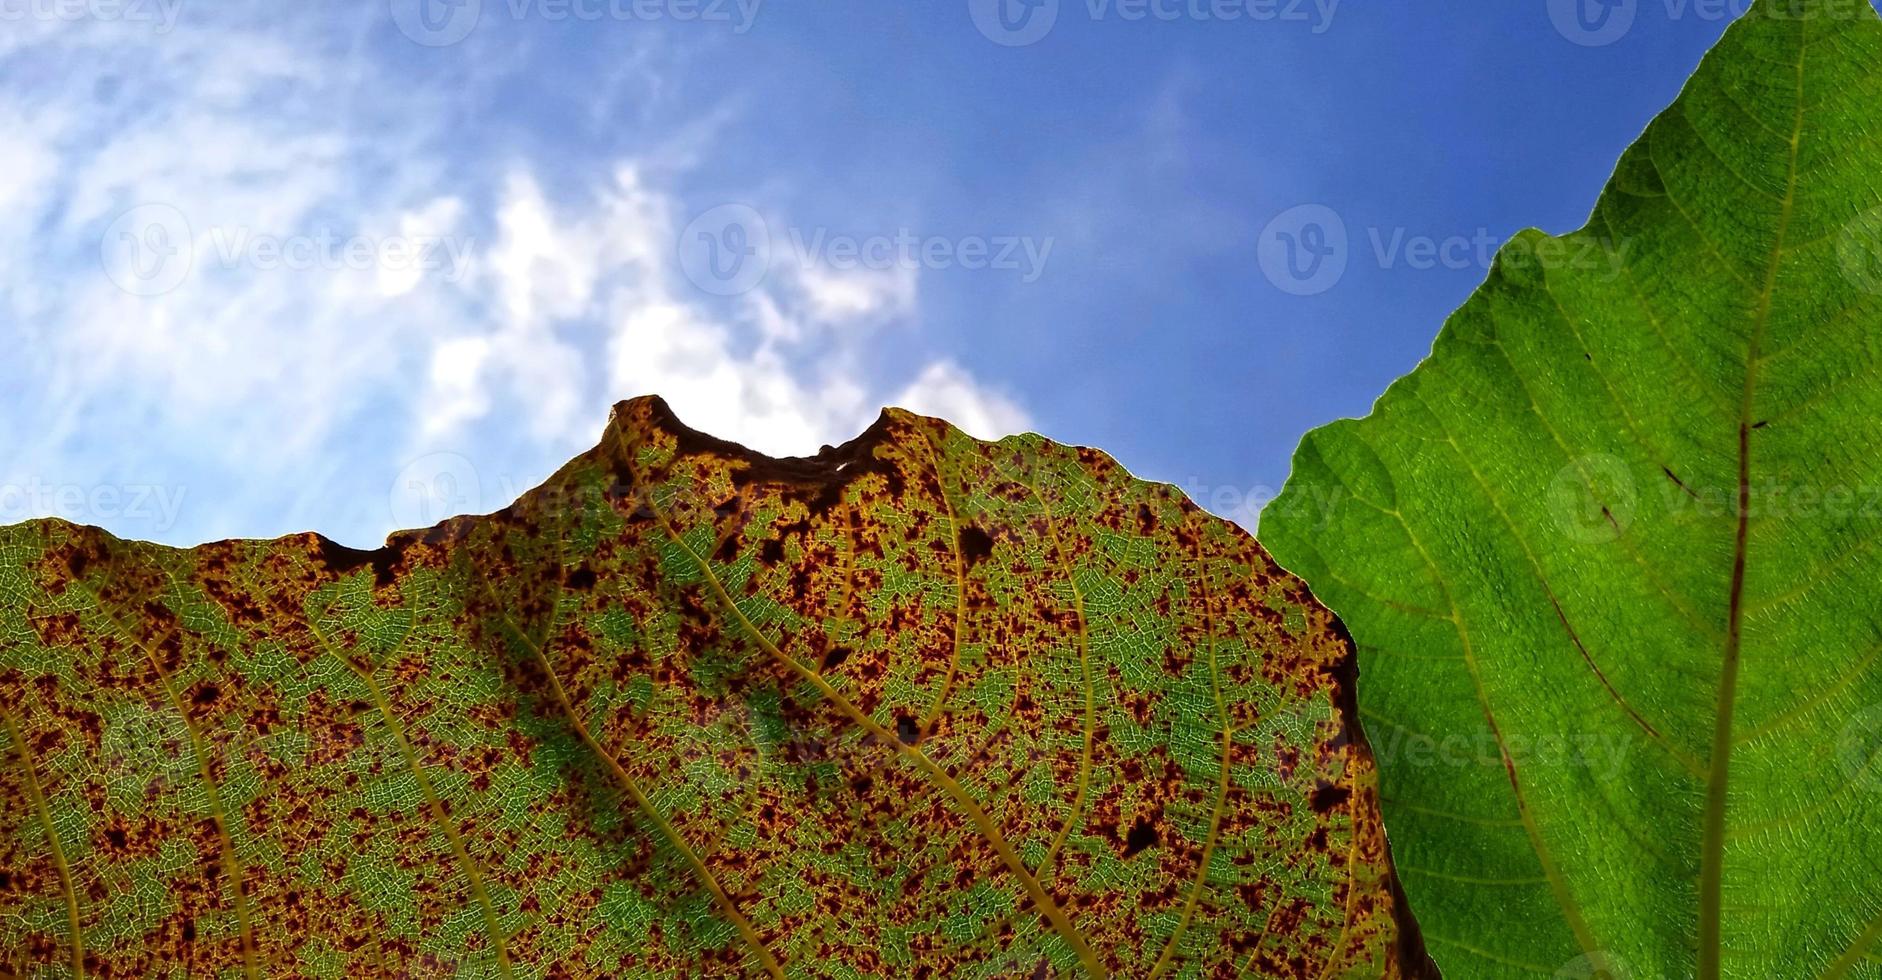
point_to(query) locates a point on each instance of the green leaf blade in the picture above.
(1538, 547)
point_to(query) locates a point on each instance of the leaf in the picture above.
(917, 706)
(1610, 554)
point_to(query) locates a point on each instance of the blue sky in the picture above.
(354, 267)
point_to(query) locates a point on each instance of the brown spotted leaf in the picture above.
(919, 706)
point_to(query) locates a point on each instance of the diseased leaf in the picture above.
(1610, 553)
(920, 706)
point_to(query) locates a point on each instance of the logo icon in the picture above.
(1593, 499)
(1593, 23)
(1014, 23)
(727, 250)
(1303, 250)
(434, 487)
(436, 23)
(148, 250)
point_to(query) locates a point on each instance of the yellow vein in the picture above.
(259, 742)
(1653, 734)
(1084, 664)
(714, 844)
(378, 953)
(1165, 961)
(1254, 948)
(632, 787)
(1686, 761)
(1818, 700)
(1857, 951)
(960, 594)
(1712, 391)
(1564, 898)
(1500, 960)
(1351, 588)
(473, 874)
(1577, 460)
(982, 823)
(1470, 880)
(1854, 314)
(231, 865)
(38, 799)
(1730, 267)
(1346, 910)
(1712, 853)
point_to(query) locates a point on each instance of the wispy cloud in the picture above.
(254, 259)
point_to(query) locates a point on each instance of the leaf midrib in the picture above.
(983, 823)
(632, 787)
(212, 793)
(38, 798)
(1712, 854)
(1083, 789)
(434, 804)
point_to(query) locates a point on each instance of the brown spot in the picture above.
(1329, 797)
(976, 545)
(1142, 836)
(1678, 482)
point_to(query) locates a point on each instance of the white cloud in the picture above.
(761, 370)
(275, 390)
(544, 271)
(456, 391)
(838, 296)
(432, 236)
(29, 163)
(947, 391)
(751, 395)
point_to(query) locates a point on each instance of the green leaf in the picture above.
(920, 705)
(1610, 553)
